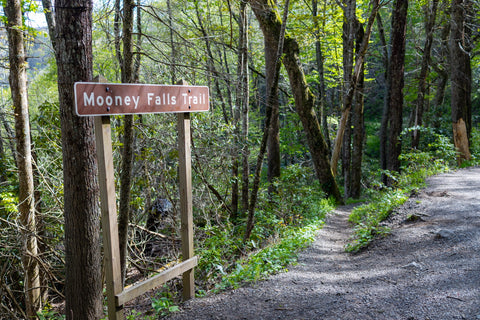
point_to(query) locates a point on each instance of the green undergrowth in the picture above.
(285, 222)
(271, 259)
(417, 166)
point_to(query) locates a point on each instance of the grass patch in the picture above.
(417, 166)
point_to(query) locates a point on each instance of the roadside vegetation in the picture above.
(283, 144)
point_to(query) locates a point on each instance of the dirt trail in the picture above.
(427, 269)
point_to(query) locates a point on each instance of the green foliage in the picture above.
(8, 204)
(48, 313)
(272, 259)
(416, 167)
(163, 304)
(284, 222)
(367, 217)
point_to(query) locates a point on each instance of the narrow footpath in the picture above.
(425, 269)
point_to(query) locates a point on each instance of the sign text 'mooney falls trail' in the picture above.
(96, 99)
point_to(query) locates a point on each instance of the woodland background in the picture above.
(346, 101)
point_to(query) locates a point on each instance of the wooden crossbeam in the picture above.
(131, 292)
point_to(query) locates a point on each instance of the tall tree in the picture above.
(26, 207)
(358, 125)
(461, 77)
(396, 84)
(271, 42)
(430, 16)
(240, 118)
(270, 23)
(348, 39)
(127, 63)
(349, 92)
(83, 272)
(319, 57)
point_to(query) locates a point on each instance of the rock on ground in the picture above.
(427, 268)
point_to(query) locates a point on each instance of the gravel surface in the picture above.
(428, 268)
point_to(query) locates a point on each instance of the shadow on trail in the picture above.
(429, 269)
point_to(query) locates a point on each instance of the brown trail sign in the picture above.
(102, 100)
(106, 99)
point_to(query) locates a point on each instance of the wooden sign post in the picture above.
(102, 100)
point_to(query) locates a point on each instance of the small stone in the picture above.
(413, 265)
(444, 234)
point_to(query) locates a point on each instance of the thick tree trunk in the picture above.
(83, 285)
(397, 59)
(273, 153)
(461, 78)
(358, 127)
(271, 23)
(430, 16)
(26, 207)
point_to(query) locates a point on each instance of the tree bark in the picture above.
(322, 96)
(128, 139)
(50, 18)
(268, 118)
(358, 126)
(350, 91)
(386, 99)
(397, 65)
(26, 207)
(461, 78)
(83, 285)
(348, 37)
(270, 22)
(430, 16)
(271, 75)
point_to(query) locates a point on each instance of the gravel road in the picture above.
(425, 269)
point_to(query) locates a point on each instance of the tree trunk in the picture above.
(461, 78)
(348, 37)
(397, 62)
(273, 154)
(50, 18)
(386, 99)
(271, 95)
(349, 92)
(128, 139)
(211, 64)
(430, 16)
(3, 167)
(26, 207)
(322, 103)
(241, 114)
(271, 23)
(83, 285)
(358, 127)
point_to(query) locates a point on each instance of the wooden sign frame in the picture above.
(117, 295)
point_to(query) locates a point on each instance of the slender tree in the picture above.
(26, 207)
(349, 92)
(319, 57)
(461, 77)
(128, 136)
(430, 16)
(395, 102)
(83, 285)
(270, 22)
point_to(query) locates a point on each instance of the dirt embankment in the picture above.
(428, 268)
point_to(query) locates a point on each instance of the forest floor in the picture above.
(424, 269)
